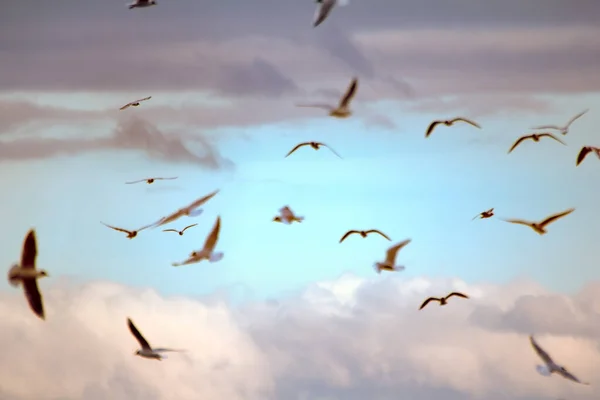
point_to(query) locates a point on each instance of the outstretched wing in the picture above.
(126, 106)
(468, 121)
(431, 127)
(134, 331)
(582, 154)
(378, 231)
(115, 228)
(170, 230)
(165, 350)
(350, 92)
(29, 251)
(144, 99)
(189, 226)
(458, 294)
(428, 301)
(554, 217)
(332, 150)
(347, 234)
(518, 221)
(558, 128)
(576, 117)
(202, 200)
(566, 374)
(34, 298)
(323, 10)
(553, 137)
(165, 179)
(297, 147)
(390, 255)
(540, 352)
(212, 238)
(518, 142)
(141, 180)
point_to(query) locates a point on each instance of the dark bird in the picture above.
(314, 145)
(562, 129)
(130, 234)
(550, 366)
(450, 122)
(27, 275)
(363, 234)
(443, 300)
(342, 110)
(146, 351)
(585, 151)
(536, 138)
(539, 227)
(180, 232)
(485, 214)
(136, 102)
(150, 180)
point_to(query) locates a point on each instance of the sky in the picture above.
(224, 79)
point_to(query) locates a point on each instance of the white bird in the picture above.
(390, 258)
(324, 7)
(208, 250)
(342, 110)
(27, 275)
(146, 351)
(286, 216)
(190, 211)
(142, 3)
(563, 129)
(550, 366)
(136, 102)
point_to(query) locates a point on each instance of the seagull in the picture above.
(180, 232)
(190, 211)
(141, 4)
(551, 367)
(342, 110)
(314, 145)
(450, 122)
(27, 274)
(390, 258)
(130, 234)
(364, 234)
(539, 227)
(443, 300)
(208, 250)
(536, 138)
(585, 151)
(323, 9)
(137, 102)
(151, 180)
(146, 351)
(485, 214)
(286, 216)
(563, 129)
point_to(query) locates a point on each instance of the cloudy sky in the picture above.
(289, 313)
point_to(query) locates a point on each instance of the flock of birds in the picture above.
(26, 274)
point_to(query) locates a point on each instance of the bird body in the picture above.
(363, 234)
(190, 210)
(443, 300)
(485, 214)
(449, 122)
(585, 151)
(181, 231)
(136, 102)
(314, 145)
(550, 367)
(208, 250)
(540, 227)
(562, 129)
(150, 180)
(324, 7)
(535, 137)
(389, 264)
(146, 350)
(287, 216)
(26, 274)
(142, 4)
(342, 110)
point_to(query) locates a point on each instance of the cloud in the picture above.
(348, 339)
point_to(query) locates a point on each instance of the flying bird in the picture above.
(286, 216)
(136, 102)
(390, 258)
(208, 250)
(146, 351)
(585, 151)
(180, 232)
(130, 234)
(364, 234)
(342, 110)
(26, 274)
(536, 138)
(190, 211)
(550, 366)
(324, 7)
(539, 227)
(562, 129)
(443, 300)
(485, 214)
(314, 145)
(151, 180)
(450, 122)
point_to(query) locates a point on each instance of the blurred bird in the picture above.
(342, 110)
(390, 258)
(562, 129)
(286, 216)
(136, 102)
(550, 366)
(314, 145)
(449, 122)
(208, 250)
(443, 300)
(485, 214)
(180, 232)
(146, 351)
(536, 138)
(150, 180)
(585, 151)
(190, 211)
(363, 234)
(26, 274)
(539, 227)
(324, 7)
(130, 234)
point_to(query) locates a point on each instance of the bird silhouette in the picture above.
(363, 234)
(449, 122)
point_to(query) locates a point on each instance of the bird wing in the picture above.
(347, 234)
(297, 147)
(170, 230)
(464, 296)
(378, 231)
(350, 92)
(165, 179)
(553, 137)
(202, 200)
(189, 226)
(475, 217)
(34, 298)
(212, 238)
(332, 150)
(585, 150)
(115, 228)
(141, 180)
(324, 106)
(518, 142)
(323, 11)
(431, 127)
(144, 99)
(144, 227)
(540, 352)
(286, 212)
(576, 117)
(566, 374)
(390, 255)
(126, 106)
(554, 217)
(558, 128)
(518, 221)
(165, 350)
(29, 252)
(468, 121)
(428, 301)
(134, 331)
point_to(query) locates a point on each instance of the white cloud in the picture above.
(371, 343)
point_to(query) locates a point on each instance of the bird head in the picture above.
(137, 353)
(43, 273)
(277, 219)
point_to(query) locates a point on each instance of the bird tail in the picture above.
(196, 212)
(377, 268)
(216, 256)
(299, 219)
